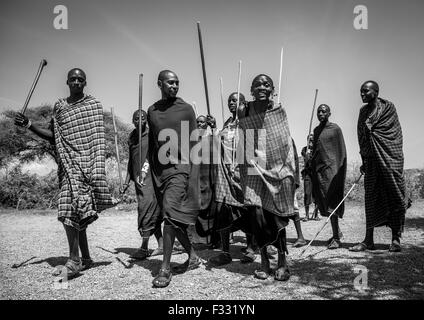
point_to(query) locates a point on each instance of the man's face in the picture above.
(201, 123)
(76, 81)
(170, 85)
(368, 93)
(262, 88)
(232, 102)
(136, 119)
(323, 113)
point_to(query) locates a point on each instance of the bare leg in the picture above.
(83, 244)
(73, 241)
(306, 212)
(300, 239)
(159, 238)
(168, 243)
(224, 257)
(265, 270)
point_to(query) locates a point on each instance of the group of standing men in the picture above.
(254, 192)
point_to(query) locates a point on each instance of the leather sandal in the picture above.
(163, 279)
(361, 247)
(262, 274)
(282, 276)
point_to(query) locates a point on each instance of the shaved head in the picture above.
(77, 72)
(371, 85)
(136, 113)
(324, 107)
(268, 78)
(165, 74)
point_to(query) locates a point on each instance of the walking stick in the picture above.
(329, 217)
(203, 67)
(281, 72)
(140, 106)
(312, 117)
(117, 148)
(222, 100)
(233, 155)
(195, 109)
(43, 63)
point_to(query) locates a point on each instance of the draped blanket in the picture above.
(269, 180)
(80, 144)
(329, 163)
(381, 147)
(227, 186)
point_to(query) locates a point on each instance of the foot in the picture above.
(317, 218)
(71, 267)
(86, 263)
(271, 250)
(362, 247)
(248, 257)
(190, 264)
(395, 246)
(157, 252)
(299, 243)
(163, 279)
(140, 254)
(282, 274)
(262, 274)
(334, 244)
(331, 239)
(221, 259)
(178, 248)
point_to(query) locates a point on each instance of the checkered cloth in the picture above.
(80, 144)
(270, 183)
(381, 147)
(227, 183)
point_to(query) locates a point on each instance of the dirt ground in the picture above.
(323, 274)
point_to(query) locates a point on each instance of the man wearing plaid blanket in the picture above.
(77, 131)
(267, 174)
(381, 147)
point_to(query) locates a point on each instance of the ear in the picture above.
(160, 84)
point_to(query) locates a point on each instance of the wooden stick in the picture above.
(140, 107)
(43, 63)
(281, 73)
(233, 156)
(329, 217)
(203, 67)
(222, 100)
(116, 148)
(312, 118)
(195, 109)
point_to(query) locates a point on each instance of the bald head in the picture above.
(323, 113)
(369, 91)
(165, 74)
(77, 72)
(76, 82)
(168, 84)
(136, 118)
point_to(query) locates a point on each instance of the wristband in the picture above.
(28, 124)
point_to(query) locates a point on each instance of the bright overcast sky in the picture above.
(114, 41)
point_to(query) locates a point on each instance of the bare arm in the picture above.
(23, 121)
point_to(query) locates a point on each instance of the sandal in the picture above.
(163, 279)
(261, 274)
(334, 244)
(189, 265)
(361, 247)
(299, 243)
(140, 254)
(284, 276)
(248, 257)
(395, 247)
(71, 267)
(157, 252)
(221, 259)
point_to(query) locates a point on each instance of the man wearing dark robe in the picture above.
(77, 131)
(381, 147)
(307, 180)
(329, 163)
(171, 122)
(149, 217)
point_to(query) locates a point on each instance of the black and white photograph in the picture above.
(211, 155)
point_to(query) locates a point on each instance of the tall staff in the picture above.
(195, 109)
(43, 63)
(281, 73)
(233, 155)
(222, 99)
(140, 106)
(312, 118)
(115, 131)
(203, 67)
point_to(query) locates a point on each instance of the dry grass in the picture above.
(323, 274)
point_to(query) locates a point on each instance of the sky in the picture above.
(115, 41)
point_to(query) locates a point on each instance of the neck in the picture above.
(75, 96)
(261, 105)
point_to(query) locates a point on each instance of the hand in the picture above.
(362, 169)
(21, 120)
(211, 121)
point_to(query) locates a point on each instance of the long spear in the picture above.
(312, 117)
(329, 217)
(43, 63)
(236, 127)
(203, 67)
(140, 106)
(116, 148)
(222, 100)
(281, 73)
(195, 109)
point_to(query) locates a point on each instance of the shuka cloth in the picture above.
(381, 147)
(149, 213)
(270, 183)
(307, 179)
(79, 136)
(329, 164)
(176, 182)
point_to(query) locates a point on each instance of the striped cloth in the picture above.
(80, 145)
(227, 183)
(381, 147)
(270, 183)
